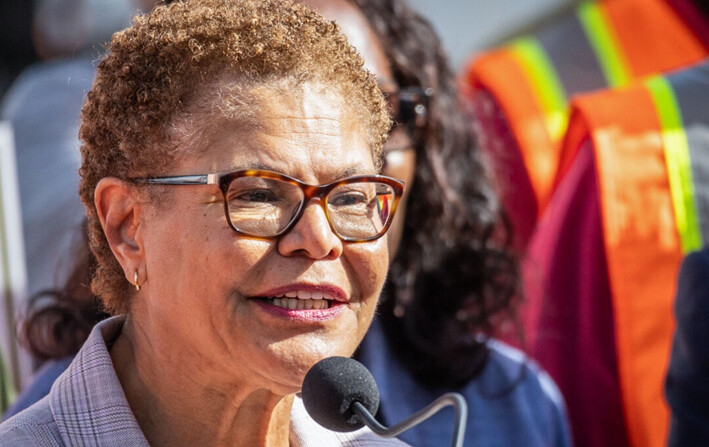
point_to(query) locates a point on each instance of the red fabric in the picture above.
(500, 73)
(694, 18)
(569, 313)
(513, 184)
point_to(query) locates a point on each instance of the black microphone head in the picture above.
(330, 388)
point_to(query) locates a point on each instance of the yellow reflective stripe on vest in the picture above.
(679, 163)
(545, 84)
(605, 44)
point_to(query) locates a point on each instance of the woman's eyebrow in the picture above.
(329, 177)
(355, 170)
(326, 176)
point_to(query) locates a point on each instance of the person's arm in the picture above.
(687, 387)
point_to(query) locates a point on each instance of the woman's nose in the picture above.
(311, 236)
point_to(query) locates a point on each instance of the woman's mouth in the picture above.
(304, 304)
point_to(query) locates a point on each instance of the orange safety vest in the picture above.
(608, 43)
(651, 146)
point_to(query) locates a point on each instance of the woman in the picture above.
(207, 126)
(452, 277)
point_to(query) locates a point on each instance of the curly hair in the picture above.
(163, 71)
(58, 321)
(454, 275)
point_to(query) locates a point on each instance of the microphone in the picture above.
(340, 394)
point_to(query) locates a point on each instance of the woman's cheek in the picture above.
(370, 262)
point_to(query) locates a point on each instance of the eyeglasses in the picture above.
(409, 108)
(266, 204)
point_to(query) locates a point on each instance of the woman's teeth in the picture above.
(307, 295)
(299, 304)
(302, 300)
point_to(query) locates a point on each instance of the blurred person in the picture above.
(519, 93)
(521, 96)
(43, 106)
(16, 48)
(630, 203)
(56, 322)
(453, 276)
(66, 28)
(230, 158)
(686, 389)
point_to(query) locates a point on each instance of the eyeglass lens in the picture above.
(408, 107)
(264, 207)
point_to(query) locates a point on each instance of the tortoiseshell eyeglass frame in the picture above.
(223, 181)
(408, 107)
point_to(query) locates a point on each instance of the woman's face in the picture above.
(400, 156)
(202, 296)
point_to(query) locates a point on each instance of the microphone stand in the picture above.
(452, 399)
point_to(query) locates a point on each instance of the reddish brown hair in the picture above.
(162, 68)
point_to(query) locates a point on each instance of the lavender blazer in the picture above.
(87, 407)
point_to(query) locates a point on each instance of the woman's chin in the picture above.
(295, 363)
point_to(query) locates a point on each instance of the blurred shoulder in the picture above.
(697, 263)
(517, 402)
(508, 365)
(33, 427)
(692, 293)
(39, 386)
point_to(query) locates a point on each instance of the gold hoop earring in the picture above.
(135, 281)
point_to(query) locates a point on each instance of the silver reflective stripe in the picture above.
(691, 88)
(567, 46)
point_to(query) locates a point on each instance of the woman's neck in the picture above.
(174, 409)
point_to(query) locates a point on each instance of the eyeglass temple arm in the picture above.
(205, 179)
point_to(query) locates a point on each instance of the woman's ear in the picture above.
(119, 211)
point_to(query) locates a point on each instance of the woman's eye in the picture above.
(256, 196)
(348, 199)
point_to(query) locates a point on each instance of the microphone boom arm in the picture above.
(452, 399)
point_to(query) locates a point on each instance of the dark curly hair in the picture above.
(58, 321)
(454, 277)
(169, 65)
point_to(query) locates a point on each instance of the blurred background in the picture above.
(470, 26)
(465, 26)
